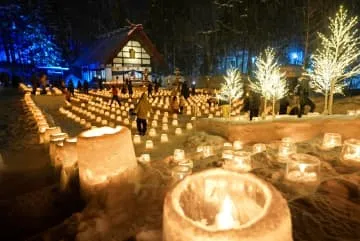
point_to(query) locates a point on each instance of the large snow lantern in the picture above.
(218, 205)
(104, 153)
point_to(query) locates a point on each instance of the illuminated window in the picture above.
(132, 53)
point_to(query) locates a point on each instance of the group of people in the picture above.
(69, 90)
(292, 104)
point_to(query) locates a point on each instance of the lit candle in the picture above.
(152, 132)
(175, 123)
(303, 168)
(178, 131)
(145, 158)
(179, 155)
(285, 150)
(224, 220)
(241, 161)
(237, 145)
(189, 126)
(164, 138)
(351, 150)
(137, 139)
(258, 148)
(165, 127)
(227, 154)
(331, 140)
(149, 144)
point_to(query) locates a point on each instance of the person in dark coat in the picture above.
(150, 89)
(302, 90)
(79, 86)
(157, 86)
(193, 88)
(34, 83)
(130, 89)
(254, 104)
(185, 90)
(71, 87)
(86, 87)
(43, 83)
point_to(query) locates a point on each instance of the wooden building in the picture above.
(124, 53)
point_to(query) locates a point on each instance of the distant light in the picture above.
(193, 82)
(53, 67)
(253, 59)
(294, 56)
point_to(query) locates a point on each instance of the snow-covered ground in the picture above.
(327, 211)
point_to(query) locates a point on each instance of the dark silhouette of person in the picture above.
(43, 83)
(193, 88)
(79, 86)
(157, 86)
(34, 83)
(303, 90)
(130, 88)
(150, 89)
(115, 95)
(185, 90)
(71, 87)
(86, 87)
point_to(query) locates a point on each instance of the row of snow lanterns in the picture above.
(300, 168)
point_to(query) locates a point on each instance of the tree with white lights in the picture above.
(232, 89)
(270, 82)
(337, 58)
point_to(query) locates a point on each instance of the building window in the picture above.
(132, 53)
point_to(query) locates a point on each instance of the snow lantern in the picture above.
(164, 138)
(104, 153)
(351, 151)
(240, 162)
(258, 148)
(285, 150)
(303, 168)
(218, 205)
(331, 140)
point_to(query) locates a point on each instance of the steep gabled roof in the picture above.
(107, 46)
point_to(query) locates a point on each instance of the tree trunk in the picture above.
(331, 97)
(265, 105)
(326, 103)
(273, 106)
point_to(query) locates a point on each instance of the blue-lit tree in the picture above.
(25, 40)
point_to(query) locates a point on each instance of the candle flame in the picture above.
(224, 219)
(302, 168)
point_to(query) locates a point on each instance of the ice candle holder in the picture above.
(303, 168)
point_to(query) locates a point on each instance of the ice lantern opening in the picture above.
(218, 205)
(104, 153)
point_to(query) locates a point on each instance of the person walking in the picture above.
(115, 95)
(150, 89)
(303, 90)
(175, 105)
(141, 110)
(34, 82)
(86, 87)
(130, 88)
(71, 87)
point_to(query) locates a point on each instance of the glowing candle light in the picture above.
(179, 155)
(258, 148)
(145, 158)
(303, 168)
(224, 219)
(189, 126)
(237, 145)
(149, 144)
(152, 132)
(137, 139)
(351, 151)
(165, 127)
(164, 138)
(285, 150)
(331, 140)
(175, 122)
(154, 123)
(178, 131)
(241, 161)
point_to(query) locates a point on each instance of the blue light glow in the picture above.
(294, 56)
(54, 67)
